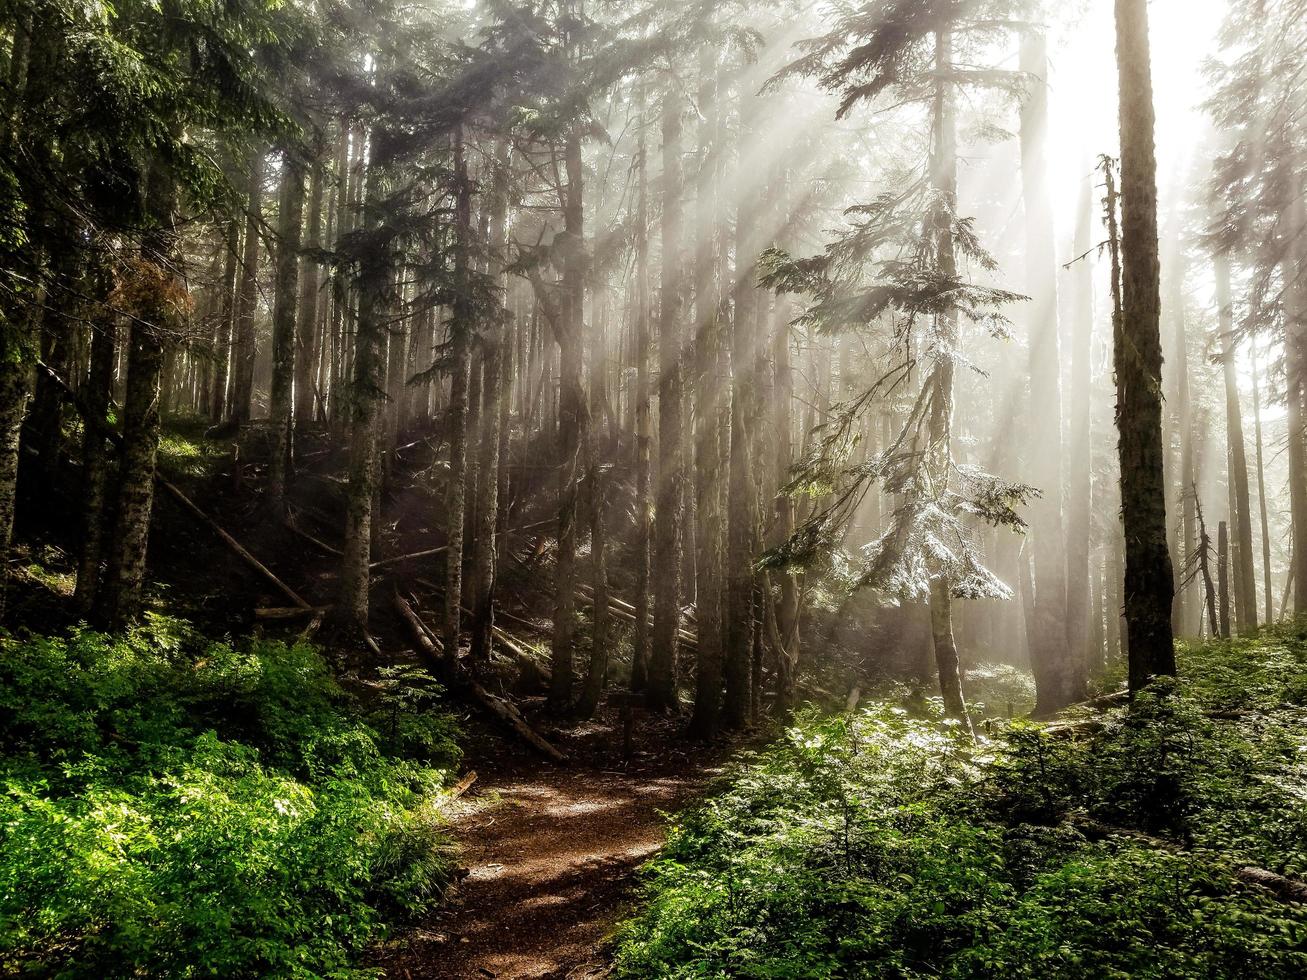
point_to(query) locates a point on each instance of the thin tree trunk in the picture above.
(643, 423)
(496, 367)
(285, 294)
(1058, 668)
(670, 488)
(461, 327)
(707, 444)
(222, 348)
(741, 513)
(307, 339)
(597, 668)
(1081, 638)
(243, 353)
(571, 426)
(1295, 354)
(1245, 582)
(1223, 578)
(1261, 486)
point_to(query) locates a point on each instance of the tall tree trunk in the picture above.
(461, 327)
(670, 490)
(18, 342)
(225, 329)
(944, 178)
(1245, 581)
(496, 367)
(741, 512)
(597, 668)
(571, 425)
(242, 367)
(1149, 581)
(306, 327)
(121, 596)
(362, 394)
(1182, 618)
(787, 607)
(95, 457)
(1083, 641)
(285, 294)
(1223, 578)
(643, 422)
(1058, 668)
(1295, 356)
(707, 443)
(1261, 486)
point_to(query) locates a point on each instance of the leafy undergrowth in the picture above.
(887, 845)
(179, 808)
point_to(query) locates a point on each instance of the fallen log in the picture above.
(1282, 887)
(427, 553)
(505, 711)
(232, 543)
(397, 559)
(685, 637)
(290, 612)
(463, 785)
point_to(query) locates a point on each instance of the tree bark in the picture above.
(1149, 581)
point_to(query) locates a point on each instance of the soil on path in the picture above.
(551, 855)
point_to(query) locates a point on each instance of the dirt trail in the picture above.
(552, 855)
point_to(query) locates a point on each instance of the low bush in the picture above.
(176, 808)
(888, 844)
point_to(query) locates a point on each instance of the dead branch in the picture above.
(505, 711)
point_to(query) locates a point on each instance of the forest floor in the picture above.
(552, 854)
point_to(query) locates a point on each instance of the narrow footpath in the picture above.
(551, 855)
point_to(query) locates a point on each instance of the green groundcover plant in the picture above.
(179, 808)
(887, 844)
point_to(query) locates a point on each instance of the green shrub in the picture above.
(887, 845)
(179, 809)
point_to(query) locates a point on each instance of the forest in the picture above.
(653, 489)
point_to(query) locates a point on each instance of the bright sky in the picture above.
(1084, 105)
